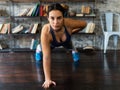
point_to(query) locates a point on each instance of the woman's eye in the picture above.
(52, 18)
(59, 18)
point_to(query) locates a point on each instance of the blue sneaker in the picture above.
(76, 56)
(38, 56)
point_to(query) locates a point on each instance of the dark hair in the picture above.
(55, 6)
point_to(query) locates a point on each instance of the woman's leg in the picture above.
(38, 53)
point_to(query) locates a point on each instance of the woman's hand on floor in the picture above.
(48, 83)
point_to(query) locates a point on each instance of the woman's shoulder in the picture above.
(46, 31)
(46, 28)
(46, 25)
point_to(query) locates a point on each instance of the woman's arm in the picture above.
(46, 53)
(75, 25)
(45, 42)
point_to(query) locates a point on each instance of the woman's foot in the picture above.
(75, 55)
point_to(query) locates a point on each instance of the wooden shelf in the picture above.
(84, 16)
(5, 50)
(5, 19)
(82, 0)
(82, 33)
(28, 1)
(24, 34)
(17, 50)
(50, 1)
(24, 1)
(22, 49)
(4, 0)
(25, 16)
(18, 1)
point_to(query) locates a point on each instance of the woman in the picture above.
(57, 33)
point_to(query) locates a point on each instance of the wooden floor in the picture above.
(95, 71)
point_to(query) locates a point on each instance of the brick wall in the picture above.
(102, 6)
(88, 40)
(114, 6)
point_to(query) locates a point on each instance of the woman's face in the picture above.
(55, 19)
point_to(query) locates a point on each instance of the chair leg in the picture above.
(115, 41)
(106, 42)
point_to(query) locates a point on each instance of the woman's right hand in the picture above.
(48, 83)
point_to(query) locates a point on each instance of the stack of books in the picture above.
(85, 9)
(90, 27)
(20, 29)
(37, 10)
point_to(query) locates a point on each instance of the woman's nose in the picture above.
(55, 21)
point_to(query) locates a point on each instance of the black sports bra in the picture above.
(55, 43)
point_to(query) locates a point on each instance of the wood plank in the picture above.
(97, 71)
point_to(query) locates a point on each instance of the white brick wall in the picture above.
(112, 5)
(81, 41)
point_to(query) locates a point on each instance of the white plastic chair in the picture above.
(110, 23)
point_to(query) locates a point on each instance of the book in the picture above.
(1, 25)
(17, 29)
(30, 29)
(31, 45)
(82, 9)
(88, 47)
(90, 27)
(85, 9)
(39, 28)
(30, 11)
(24, 12)
(87, 27)
(8, 28)
(41, 12)
(35, 8)
(34, 43)
(4, 29)
(34, 29)
(79, 14)
(37, 11)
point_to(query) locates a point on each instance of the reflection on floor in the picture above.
(96, 71)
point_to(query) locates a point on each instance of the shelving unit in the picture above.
(16, 6)
(18, 41)
(85, 39)
(5, 13)
(23, 40)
